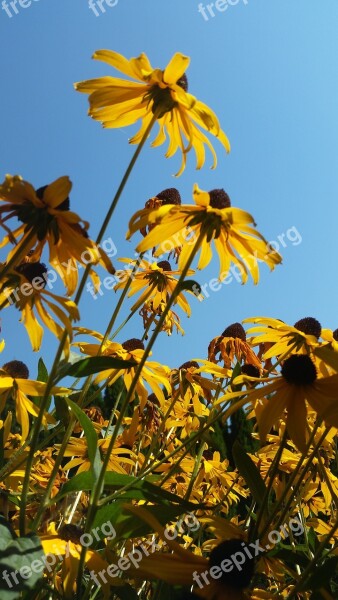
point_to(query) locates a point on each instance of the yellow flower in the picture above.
(119, 102)
(297, 386)
(153, 373)
(46, 218)
(66, 547)
(41, 472)
(157, 282)
(213, 219)
(151, 316)
(77, 449)
(282, 339)
(232, 345)
(183, 567)
(18, 389)
(23, 287)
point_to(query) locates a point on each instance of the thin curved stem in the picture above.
(49, 385)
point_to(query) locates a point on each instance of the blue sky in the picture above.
(269, 71)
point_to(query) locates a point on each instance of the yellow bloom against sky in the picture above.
(162, 94)
(212, 221)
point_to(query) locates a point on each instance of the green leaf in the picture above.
(42, 376)
(290, 557)
(321, 575)
(127, 525)
(96, 364)
(61, 410)
(42, 371)
(19, 556)
(249, 471)
(140, 490)
(91, 437)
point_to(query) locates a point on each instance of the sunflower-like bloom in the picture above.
(232, 344)
(153, 373)
(151, 316)
(156, 282)
(46, 218)
(41, 472)
(189, 379)
(66, 546)
(280, 339)
(183, 567)
(163, 198)
(18, 389)
(23, 288)
(77, 449)
(119, 102)
(296, 388)
(211, 219)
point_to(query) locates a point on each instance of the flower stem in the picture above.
(99, 484)
(49, 385)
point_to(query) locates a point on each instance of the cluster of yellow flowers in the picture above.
(244, 437)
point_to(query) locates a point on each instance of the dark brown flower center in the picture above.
(152, 398)
(250, 370)
(219, 199)
(189, 364)
(16, 368)
(32, 270)
(133, 344)
(235, 578)
(165, 265)
(236, 330)
(335, 335)
(183, 82)
(309, 326)
(71, 533)
(65, 205)
(169, 196)
(299, 370)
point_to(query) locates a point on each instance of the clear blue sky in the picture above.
(269, 69)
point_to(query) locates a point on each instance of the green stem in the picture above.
(98, 487)
(271, 475)
(49, 385)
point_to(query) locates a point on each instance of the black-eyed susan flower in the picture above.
(23, 287)
(163, 198)
(160, 94)
(288, 396)
(183, 567)
(281, 339)
(231, 345)
(66, 547)
(151, 316)
(77, 449)
(153, 374)
(46, 218)
(211, 219)
(191, 381)
(18, 389)
(155, 281)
